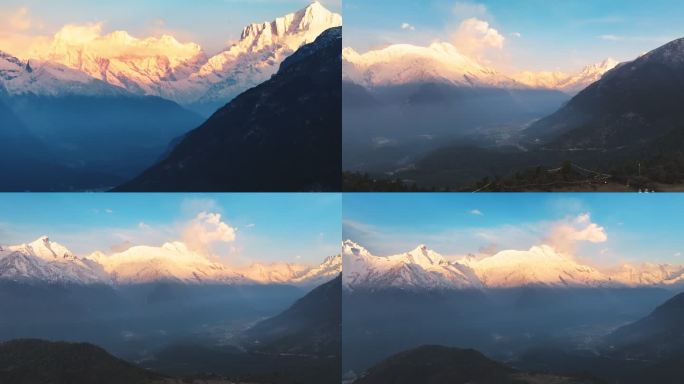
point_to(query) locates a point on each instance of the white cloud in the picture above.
(476, 212)
(516, 34)
(407, 27)
(250, 225)
(108, 210)
(142, 225)
(205, 229)
(610, 37)
(565, 234)
(475, 36)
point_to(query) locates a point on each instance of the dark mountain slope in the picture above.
(437, 365)
(631, 105)
(38, 362)
(283, 135)
(658, 335)
(311, 326)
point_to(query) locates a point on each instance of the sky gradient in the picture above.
(639, 227)
(210, 23)
(301, 228)
(538, 34)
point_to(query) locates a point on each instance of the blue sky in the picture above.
(639, 227)
(539, 34)
(211, 23)
(270, 227)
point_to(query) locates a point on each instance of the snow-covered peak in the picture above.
(10, 67)
(274, 272)
(121, 59)
(566, 82)
(424, 256)
(256, 56)
(171, 262)
(290, 273)
(404, 63)
(163, 66)
(327, 270)
(46, 261)
(47, 78)
(540, 265)
(45, 249)
(292, 30)
(420, 268)
(648, 274)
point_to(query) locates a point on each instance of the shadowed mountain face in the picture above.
(630, 106)
(37, 362)
(64, 143)
(437, 364)
(656, 336)
(282, 135)
(311, 326)
(28, 163)
(118, 135)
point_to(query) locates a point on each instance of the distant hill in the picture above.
(439, 364)
(283, 135)
(36, 362)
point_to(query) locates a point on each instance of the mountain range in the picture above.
(137, 99)
(81, 59)
(282, 135)
(442, 62)
(46, 261)
(631, 106)
(540, 266)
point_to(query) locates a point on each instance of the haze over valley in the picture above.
(547, 294)
(194, 307)
(452, 97)
(91, 108)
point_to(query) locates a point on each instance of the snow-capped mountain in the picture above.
(165, 67)
(256, 56)
(49, 79)
(648, 274)
(290, 273)
(170, 262)
(541, 265)
(47, 261)
(566, 82)
(419, 268)
(443, 63)
(404, 63)
(122, 60)
(327, 270)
